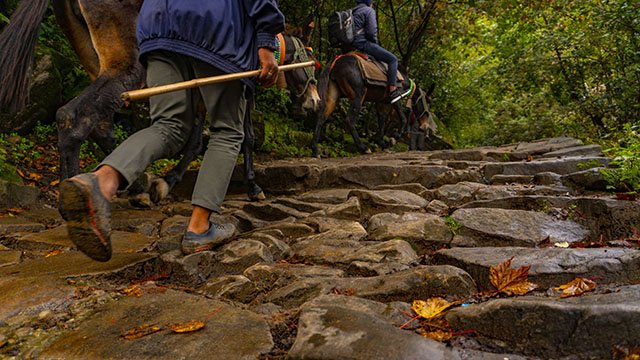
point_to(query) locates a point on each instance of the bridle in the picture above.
(298, 55)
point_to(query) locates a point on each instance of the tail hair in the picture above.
(17, 44)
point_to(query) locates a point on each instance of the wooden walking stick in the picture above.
(145, 93)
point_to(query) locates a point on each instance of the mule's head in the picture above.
(301, 82)
(421, 110)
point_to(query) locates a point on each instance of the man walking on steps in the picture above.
(179, 41)
(366, 40)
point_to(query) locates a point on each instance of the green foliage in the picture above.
(625, 172)
(283, 136)
(453, 225)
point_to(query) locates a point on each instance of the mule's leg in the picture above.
(71, 21)
(253, 190)
(327, 107)
(380, 133)
(111, 24)
(354, 111)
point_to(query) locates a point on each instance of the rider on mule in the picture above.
(366, 40)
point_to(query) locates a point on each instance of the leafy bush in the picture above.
(625, 172)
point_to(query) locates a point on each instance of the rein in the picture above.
(299, 55)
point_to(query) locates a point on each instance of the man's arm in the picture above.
(268, 21)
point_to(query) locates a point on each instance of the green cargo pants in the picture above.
(173, 116)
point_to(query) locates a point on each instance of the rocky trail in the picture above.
(328, 267)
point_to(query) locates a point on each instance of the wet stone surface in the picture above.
(327, 267)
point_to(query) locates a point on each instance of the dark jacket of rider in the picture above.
(240, 27)
(365, 23)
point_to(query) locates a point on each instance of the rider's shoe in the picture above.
(216, 235)
(398, 94)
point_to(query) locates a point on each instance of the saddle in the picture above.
(374, 72)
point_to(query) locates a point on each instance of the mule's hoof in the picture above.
(257, 197)
(158, 190)
(141, 201)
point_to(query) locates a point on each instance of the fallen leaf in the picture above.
(53, 253)
(193, 325)
(133, 290)
(431, 308)
(576, 287)
(436, 329)
(140, 331)
(511, 281)
(54, 183)
(562, 244)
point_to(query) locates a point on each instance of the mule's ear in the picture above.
(430, 89)
(307, 29)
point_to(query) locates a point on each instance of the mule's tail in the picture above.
(17, 43)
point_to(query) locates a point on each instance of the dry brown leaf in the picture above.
(437, 329)
(576, 287)
(140, 331)
(53, 253)
(133, 290)
(190, 326)
(431, 308)
(511, 281)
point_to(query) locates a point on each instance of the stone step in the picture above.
(229, 332)
(550, 267)
(585, 327)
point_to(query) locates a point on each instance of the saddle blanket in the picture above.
(375, 72)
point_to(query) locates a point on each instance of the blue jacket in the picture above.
(223, 33)
(365, 24)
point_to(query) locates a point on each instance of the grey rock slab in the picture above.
(289, 230)
(342, 327)
(424, 232)
(231, 287)
(586, 327)
(590, 179)
(9, 257)
(584, 150)
(278, 248)
(131, 220)
(10, 225)
(421, 282)
(14, 195)
(39, 283)
(456, 194)
(415, 188)
(500, 179)
(229, 333)
(327, 196)
(395, 201)
(346, 251)
(370, 175)
(193, 269)
(303, 206)
(349, 210)
(175, 225)
(499, 227)
(323, 224)
(544, 146)
(561, 166)
(610, 217)
(266, 277)
(283, 178)
(238, 255)
(550, 267)
(272, 211)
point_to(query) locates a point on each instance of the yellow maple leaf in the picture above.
(190, 326)
(511, 281)
(431, 308)
(576, 287)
